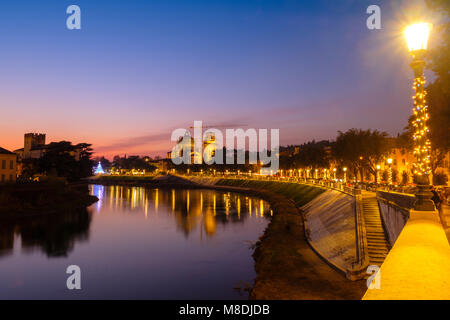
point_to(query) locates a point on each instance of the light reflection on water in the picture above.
(191, 209)
(137, 243)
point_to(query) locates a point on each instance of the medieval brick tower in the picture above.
(32, 140)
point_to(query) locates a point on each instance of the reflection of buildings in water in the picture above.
(54, 234)
(208, 209)
(190, 208)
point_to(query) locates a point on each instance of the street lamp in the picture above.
(378, 174)
(334, 173)
(417, 38)
(389, 161)
(345, 174)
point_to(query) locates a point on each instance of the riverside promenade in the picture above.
(290, 264)
(417, 265)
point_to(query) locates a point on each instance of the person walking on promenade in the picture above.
(436, 199)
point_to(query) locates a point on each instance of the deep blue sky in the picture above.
(139, 69)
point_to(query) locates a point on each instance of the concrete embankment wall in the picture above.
(330, 227)
(394, 208)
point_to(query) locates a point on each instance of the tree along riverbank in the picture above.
(38, 198)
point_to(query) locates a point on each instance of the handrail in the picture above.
(395, 205)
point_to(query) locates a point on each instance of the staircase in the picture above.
(377, 244)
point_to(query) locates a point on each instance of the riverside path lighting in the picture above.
(378, 173)
(417, 39)
(345, 174)
(334, 173)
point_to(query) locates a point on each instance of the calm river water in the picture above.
(137, 243)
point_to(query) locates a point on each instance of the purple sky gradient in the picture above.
(137, 70)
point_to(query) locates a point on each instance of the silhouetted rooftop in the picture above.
(4, 151)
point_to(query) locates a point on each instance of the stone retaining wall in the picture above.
(394, 209)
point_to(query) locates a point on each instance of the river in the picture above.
(137, 243)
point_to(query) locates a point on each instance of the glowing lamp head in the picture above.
(378, 167)
(417, 36)
(389, 160)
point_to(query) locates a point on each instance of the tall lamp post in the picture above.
(417, 39)
(378, 174)
(389, 161)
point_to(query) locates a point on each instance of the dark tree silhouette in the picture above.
(62, 159)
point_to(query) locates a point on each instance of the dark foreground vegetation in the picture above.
(36, 198)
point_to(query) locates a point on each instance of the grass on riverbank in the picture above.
(299, 193)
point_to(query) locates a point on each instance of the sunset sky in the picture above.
(139, 69)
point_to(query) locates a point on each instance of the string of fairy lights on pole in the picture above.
(417, 38)
(422, 144)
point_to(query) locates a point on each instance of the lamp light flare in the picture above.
(417, 36)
